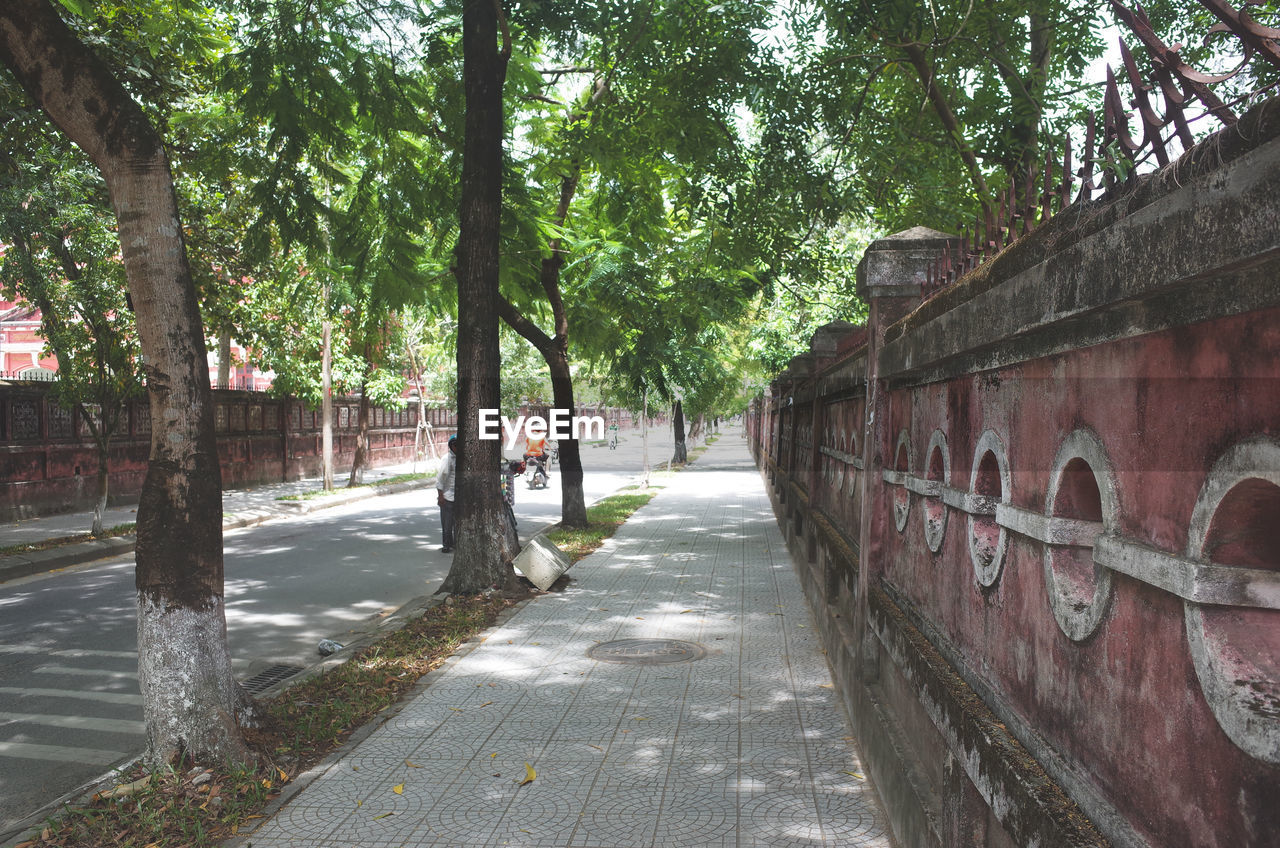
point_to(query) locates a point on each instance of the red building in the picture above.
(21, 345)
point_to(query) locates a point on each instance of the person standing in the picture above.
(445, 493)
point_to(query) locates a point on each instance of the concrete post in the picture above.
(889, 280)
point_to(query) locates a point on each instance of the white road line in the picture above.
(108, 725)
(82, 694)
(86, 672)
(67, 652)
(89, 756)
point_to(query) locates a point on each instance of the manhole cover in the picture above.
(647, 651)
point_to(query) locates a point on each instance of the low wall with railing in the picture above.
(1038, 517)
(48, 462)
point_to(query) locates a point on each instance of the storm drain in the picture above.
(269, 677)
(647, 651)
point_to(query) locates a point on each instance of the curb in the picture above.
(14, 566)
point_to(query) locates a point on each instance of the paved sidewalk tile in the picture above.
(746, 746)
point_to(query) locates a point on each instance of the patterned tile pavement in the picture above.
(744, 747)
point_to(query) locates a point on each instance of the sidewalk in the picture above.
(731, 737)
(240, 508)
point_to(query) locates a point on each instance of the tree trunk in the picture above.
(478, 560)
(224, 358)
(326, 398)
(644, 437)
(573, 501)
(361, 458)
(104, 477)
(681, 454)
(190, 699)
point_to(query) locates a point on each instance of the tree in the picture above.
(348, 167)
(949, 100)
(62, 258)
(191, 702)
(479, 561)
(607, 157)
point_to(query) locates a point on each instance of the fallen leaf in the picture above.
(486, 703)
(125, 789)
(826, 685)
(398, 789)
(383, 816)
(412, 765)
(359, 804)
(494, 754)
(597, 747)
(284, 778)
(855, 774)
(529, 774)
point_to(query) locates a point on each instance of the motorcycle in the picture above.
(536, 472)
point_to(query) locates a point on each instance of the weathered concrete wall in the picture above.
(1039, 517)
(48, 462)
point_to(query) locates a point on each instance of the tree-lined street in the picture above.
(69, 701)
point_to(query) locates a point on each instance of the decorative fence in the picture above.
(48, 462)
(1037, 516)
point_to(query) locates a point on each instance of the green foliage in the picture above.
(62, 256)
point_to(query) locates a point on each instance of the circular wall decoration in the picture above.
(901, 498)
(1236, 649)
(1081, 487)
(937, 468)
(989, 484)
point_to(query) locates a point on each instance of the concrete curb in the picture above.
(14, 566)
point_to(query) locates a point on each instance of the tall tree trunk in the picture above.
(104, 477)
(573, 500)
(361, 458)
(326, 398)
(644, 437)
(681, 454)
(224, 358)
(190, 700)
(478, 560)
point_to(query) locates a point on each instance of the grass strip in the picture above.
(603, 520)
(322, 493)
(47, 544)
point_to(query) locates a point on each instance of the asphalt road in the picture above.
(69, 703)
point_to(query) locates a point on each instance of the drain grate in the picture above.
(647, 651)
(269, 677)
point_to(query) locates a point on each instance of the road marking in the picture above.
(82, 694)
(86, 672)
(72, 653)
(107, 725)
(89, 756)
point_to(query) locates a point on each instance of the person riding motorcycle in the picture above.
(535, 450)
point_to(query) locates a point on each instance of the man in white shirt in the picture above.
(445, 493)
